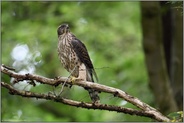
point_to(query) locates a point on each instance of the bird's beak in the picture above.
(67, 29)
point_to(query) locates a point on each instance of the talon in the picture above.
(73, 79)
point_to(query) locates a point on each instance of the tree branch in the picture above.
(146, 110)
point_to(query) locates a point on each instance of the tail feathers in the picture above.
(94, 95)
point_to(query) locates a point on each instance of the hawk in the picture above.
(75, 58)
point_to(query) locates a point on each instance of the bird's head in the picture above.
(63, 28)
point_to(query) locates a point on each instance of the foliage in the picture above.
(111, 32)
(178, 5)
(176, 116)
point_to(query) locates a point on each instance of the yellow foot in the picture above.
(72, 79)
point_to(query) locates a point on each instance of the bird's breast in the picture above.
(67, 56)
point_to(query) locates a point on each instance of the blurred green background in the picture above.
(112, 34)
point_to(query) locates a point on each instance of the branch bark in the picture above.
(146, 110)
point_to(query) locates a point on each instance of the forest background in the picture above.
(113, 33)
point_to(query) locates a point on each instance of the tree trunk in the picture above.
(177, 59)
(155, 57)
(172, 21)
(167, 24)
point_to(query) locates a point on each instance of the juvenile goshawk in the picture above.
(75, 58)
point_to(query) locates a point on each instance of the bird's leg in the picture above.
(72, 78)
(82, 74)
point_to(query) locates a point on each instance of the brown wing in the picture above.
(83, 55)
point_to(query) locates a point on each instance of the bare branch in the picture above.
(146, 110)
(13, 91)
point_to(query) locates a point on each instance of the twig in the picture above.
(147, 110)
(10, 68)
(66, 80)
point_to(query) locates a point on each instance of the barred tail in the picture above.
(94, 95)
